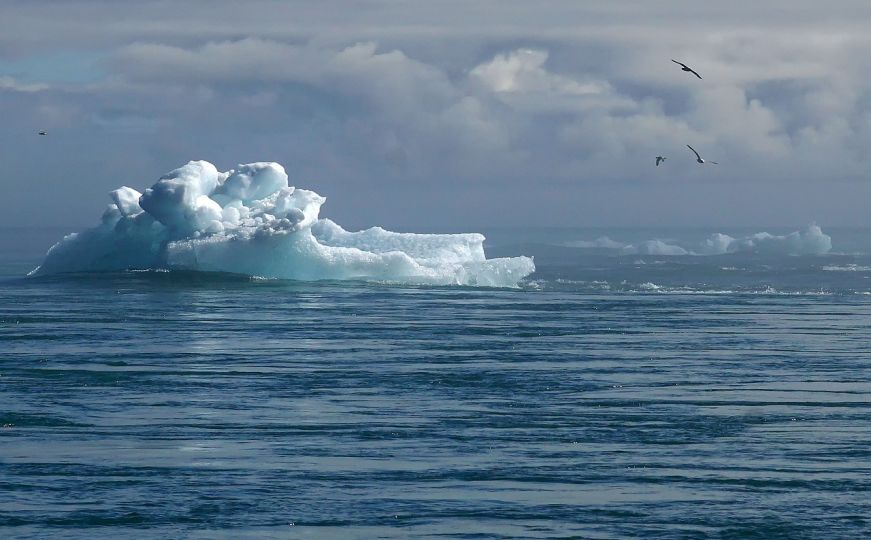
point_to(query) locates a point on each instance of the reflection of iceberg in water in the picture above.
(249, 221)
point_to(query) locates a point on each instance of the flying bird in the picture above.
(685, 67)
(699, 158)
(659, 159)
(43, 132)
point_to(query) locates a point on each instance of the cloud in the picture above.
(9, 83)
(520, 79)
(563, 100)
(522, 71)
(515, 114)
(250, 59)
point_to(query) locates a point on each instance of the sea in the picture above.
(611, 395)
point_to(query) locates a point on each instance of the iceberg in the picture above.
(811, 241)
(251, 221)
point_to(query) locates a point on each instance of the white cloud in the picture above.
(500, 94)
(9, 83)
(522, 71)
(519, 112)
(521, 80)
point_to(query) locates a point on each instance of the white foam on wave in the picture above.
(811, 241)
(768, 290)
(250, 221)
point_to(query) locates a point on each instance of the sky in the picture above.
(448, 115)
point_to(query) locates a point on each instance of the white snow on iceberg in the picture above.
(250, 221)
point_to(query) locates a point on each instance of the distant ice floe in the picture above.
(250, 221)
(846, 268)
(811, 241)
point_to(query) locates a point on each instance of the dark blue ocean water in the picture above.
(608, 397)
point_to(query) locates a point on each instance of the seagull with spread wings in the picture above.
(699, 158)
(685, 67)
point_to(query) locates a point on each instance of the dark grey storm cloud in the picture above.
(445, 115)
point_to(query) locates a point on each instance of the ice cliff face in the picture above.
(250, 221)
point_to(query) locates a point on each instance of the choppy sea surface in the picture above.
(610, 396)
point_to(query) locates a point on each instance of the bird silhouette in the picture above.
(43, 132)
(685, 67)
(659, 159)
(699, 158)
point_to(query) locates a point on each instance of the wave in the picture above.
(811, 241)
(250, 221)
(650, 288)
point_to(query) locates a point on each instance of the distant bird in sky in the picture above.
(659, 159)
(685, 67)
(43, 132)
(699, 158)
